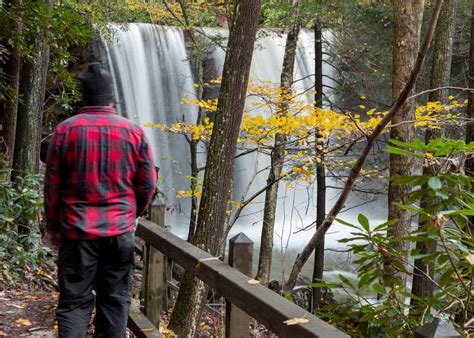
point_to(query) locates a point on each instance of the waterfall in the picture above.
(151, 74)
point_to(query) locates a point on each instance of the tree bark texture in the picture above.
(470, 108)
(194, 177)
(407, 27)
(306, 252)
(277, 155)
(12, 68)
(318, 268)
(422, 287)
(220, 162)
(30, 109)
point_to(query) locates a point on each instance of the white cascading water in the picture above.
(151, 74)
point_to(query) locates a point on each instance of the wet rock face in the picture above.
(275, 285)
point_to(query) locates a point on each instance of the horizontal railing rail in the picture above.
(141, 327)
(261, 303)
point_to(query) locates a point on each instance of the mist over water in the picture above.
(151, 74)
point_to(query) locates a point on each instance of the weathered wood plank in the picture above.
(154, 277)
(256, 300)
(141, 326)
(139, 245)
(240, 258)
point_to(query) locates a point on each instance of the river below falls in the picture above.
(288, 242)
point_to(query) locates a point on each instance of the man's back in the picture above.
(104, 165)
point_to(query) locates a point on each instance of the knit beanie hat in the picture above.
(96, 83)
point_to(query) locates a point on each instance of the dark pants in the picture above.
(104, 265)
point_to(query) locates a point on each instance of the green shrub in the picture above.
(21, 252)
(382, 308)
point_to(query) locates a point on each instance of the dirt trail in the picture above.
(27, 313)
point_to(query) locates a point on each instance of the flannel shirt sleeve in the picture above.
(52, 183)
(145, 177)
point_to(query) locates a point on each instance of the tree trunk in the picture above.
(422, 287)
(470, 107)
(278, 154)
(30, 109)
(320, 169)
(220, 162)
(193, 144)
(9, 108)
(197, 60)
(408, 17)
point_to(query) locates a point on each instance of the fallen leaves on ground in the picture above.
(26, 310)
(22, 321)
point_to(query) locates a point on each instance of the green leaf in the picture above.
(384, 226)
(364, 222)
(345, 281)
(442, 195)
(402, 152)
(392, 313)
(378, 288)
(466, 212)
(368, 316)
(346, 223)
(435, 183)
(364, 281)
(412, 208)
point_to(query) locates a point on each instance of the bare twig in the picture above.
(464, 89)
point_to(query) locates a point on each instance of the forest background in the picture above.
(425, 167)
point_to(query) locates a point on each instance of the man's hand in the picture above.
(53, 238)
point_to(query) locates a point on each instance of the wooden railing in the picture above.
(245, 297)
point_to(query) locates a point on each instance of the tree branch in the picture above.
(319, 235)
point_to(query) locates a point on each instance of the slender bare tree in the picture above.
(278, 151)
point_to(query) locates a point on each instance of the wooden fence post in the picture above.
(240, 258)
(154, 284)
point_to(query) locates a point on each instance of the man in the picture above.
(100, 177)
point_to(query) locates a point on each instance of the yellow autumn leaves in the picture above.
(159, 12)
(264, 117)
(270, 111)
(156, 13)
(261, 130)
(195, 131)
(434, 114)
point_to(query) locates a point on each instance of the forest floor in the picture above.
(27, 309)
(30, 312)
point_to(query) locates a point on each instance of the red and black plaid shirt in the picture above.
(100, 175)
